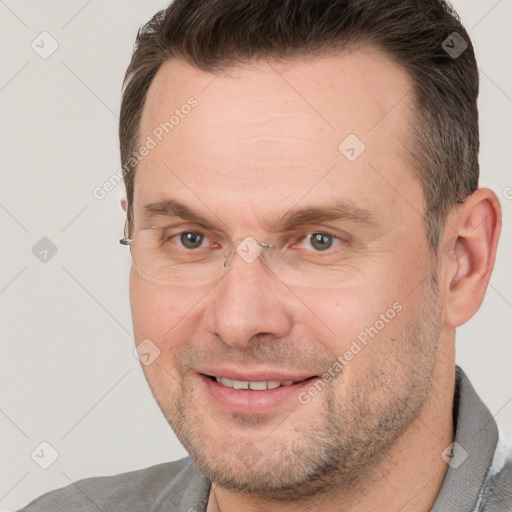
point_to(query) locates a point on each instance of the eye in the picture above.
(190, 239)
(179, 241)
(320, 241)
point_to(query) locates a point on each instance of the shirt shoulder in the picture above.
(125, 492)
(497, 491)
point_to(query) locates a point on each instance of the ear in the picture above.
(468, 250)
(124, 204)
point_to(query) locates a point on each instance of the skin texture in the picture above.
(263, 139)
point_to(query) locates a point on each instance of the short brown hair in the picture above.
(417, 34)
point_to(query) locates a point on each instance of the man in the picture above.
(307, 232)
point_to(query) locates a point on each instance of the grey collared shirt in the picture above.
(479, 478)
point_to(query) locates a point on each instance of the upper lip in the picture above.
(254, 375)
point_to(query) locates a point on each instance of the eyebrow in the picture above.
(334, 210)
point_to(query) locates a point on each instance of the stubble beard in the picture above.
(347, 437)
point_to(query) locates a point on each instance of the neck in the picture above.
(406, 479)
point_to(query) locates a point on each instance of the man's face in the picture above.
(264, 140)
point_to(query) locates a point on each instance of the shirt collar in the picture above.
(476, 436)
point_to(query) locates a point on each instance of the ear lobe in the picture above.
(475, 232)
(124, 204)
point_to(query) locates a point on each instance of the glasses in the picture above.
(176, 256)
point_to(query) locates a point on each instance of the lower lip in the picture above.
(248, 402)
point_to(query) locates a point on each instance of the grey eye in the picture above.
(321, 241)
(191, 240)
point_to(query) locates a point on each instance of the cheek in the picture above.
(372, 303)
(355, 304)
(163, 314)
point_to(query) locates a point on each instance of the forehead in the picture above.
(269, 132)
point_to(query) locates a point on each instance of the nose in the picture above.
(248, 303)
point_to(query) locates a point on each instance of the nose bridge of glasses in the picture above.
(248, 249)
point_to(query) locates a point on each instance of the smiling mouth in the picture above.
(256, 385)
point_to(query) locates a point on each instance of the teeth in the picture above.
(258, 386)
(225, 382)
(240, 384)
(255, 386)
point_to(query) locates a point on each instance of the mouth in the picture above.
(255, 385)
(254, 395)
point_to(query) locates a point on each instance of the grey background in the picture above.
(68, 374)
